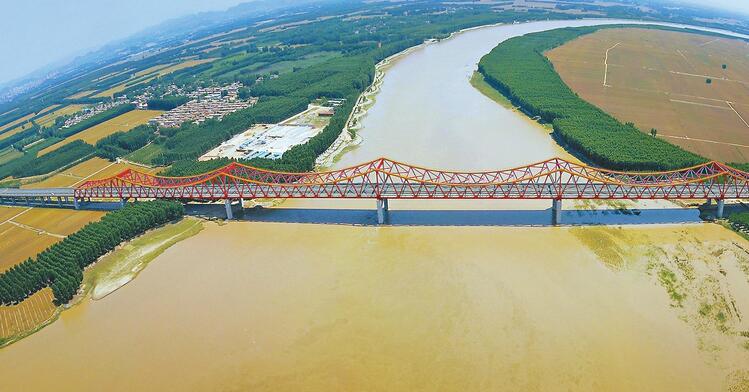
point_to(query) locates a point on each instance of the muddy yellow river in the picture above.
(449, 306)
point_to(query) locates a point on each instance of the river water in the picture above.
(449, 306)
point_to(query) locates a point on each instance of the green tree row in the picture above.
(61, 265)
(31, 165)
(519, 70)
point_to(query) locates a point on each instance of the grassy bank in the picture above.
(479, 83)
(124, 263)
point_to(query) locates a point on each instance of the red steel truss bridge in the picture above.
(382, 179)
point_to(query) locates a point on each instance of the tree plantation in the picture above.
(518, 69)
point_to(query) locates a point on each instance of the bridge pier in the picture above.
(556, 211)
(719, 210)
(229, 212)
(382, 209)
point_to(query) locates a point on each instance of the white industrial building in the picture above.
(276, 140)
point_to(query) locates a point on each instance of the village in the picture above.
(213, 102)
(91, 111)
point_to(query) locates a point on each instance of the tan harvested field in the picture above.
(57, 221)
(90, 169)
(28, 315)
(9, 212)
(122, 122)
(183, 65)
(658, 79)
(49, 118)
(59, 180)
(19, 243)
(150, 70)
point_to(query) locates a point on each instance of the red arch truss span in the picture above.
(385, 178)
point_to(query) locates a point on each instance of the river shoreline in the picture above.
(350, 136)
(106, 275)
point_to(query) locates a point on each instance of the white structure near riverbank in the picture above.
(271, 141)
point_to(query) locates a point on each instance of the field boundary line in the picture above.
(730, 105)
(701, 104)
(93, 174)
(36, 229)
(704, 140)
(709, 77)
(16, 216)
(606, 65)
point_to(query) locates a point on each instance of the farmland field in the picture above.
(659, 79)
(183, 65)
(122, 122)
(90, 169)
(24, 232)
(18, 243)
(4, 129)
(58, 221)
(26, 316)
(149, 74)
(49, 118)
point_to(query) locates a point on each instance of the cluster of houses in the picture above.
(91, 111)
(229, 92)
(206, 103)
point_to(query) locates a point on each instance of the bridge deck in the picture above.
(42, 192)
(424, 191)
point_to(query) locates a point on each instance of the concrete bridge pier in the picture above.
(556, 211)
(719, 210)
(229, 212)
(382, 209)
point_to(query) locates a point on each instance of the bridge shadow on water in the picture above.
(366, 217)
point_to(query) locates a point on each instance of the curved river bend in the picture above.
(281, 306)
